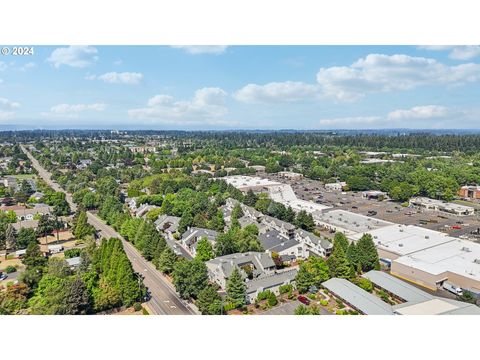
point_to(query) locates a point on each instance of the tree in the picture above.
(209, 301)
(13, 300)
(58, 267)
(25, 236)
(341, 240)
(338, 264)
(189, 278)
(367, 253)
(237, 212)
(467, 296)
(226, 244)
(185, 222)
(304, 310)
(10, 239)
(250, 198)
(304, 279)
(204, 250)
(352, 256)
(45, 226)
(33, 256)
(305, 221)
(82, 227)
(166, 262)
(77, 299)
(236, 289)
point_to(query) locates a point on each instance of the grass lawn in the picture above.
(24, 176)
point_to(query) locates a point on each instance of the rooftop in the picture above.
(245, 182)
(270, 281)
(405, 239)
(360, 299)
(396, 286)
(437, 306)
(352, 222)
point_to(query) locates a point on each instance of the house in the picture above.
(315, 244)
(30, 224)
(270, 282)
(191, 237)
(282, 226)
(167, 224)
(29, 214)
(37, 195)
(143, 210)
(274, 242)
(250, 265)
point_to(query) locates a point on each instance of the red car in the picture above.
(456, 227)
(304, 300)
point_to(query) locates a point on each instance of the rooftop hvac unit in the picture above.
(375, 236)
(476, 261)
(401, 230)
(427, 237)
(400, 245)
(466, 249)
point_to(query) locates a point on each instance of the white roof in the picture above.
(437, 306)
(245, 182)
(405, 239)
(350, 222)
(285, 195)
(442, 204)
(456, 256)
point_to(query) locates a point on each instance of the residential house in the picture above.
(191, 237)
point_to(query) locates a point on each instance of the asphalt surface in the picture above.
(163, 298)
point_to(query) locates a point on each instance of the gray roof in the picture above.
(25, 224)
(279, 222)
(75, 261)
(195, 233)
(324, 243)
(166, 222)
(358, 298)
(228, 263)
(271, 238)
(271, 281)
(396, 286)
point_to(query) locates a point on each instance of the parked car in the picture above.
(4, 276)
(456, 227)
(452, 288)
(304, 300)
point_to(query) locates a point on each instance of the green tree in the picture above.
(341, 240)
(305, 221)
(367, 253)
(338, 264)
(236, 289)
(209, 301)
(204, 250)
(166, 262)
(189, 278)
(10, 239)
(25, 236)
(82, 227)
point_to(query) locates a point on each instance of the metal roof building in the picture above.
(357, 298)
(397, 287)
(437, 306)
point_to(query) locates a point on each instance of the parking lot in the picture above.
(458, 226)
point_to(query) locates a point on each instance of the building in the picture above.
(290, 175)
(258, 168)
(399, 289)
(469, 192)
(357, 298)
(374, 194)
(336, 186)
(370, 161)
(314, 244)
(74, 262)
(456, 261)
(285, 228)
(348, 222)
(31, 224)
(250, 265)
(275, 242)
(270, 282)
(167, 224)
(436, 306)
(191, 237)
(437, 205)
(398, 240)
(285, 195)
(144, 209)
(29, 214)
(245, 183)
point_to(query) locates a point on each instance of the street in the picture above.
(163, 300)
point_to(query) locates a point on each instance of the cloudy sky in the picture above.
(243, 87)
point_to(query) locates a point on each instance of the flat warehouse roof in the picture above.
(351, 221)
(240, 181)
(457, 256)
(406, 239)
(360, 299)
(396, 286)
(437, 306)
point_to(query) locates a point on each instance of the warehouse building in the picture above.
(348, 222)
(436, 306)
(245, 183)
(437, 205)
(457, 261)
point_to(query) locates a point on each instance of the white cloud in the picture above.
(27, 66)
(72, 110)
(6, 104)
(129, 78)
(383, 73)
(7, 108)
(420, 112)
(202, 49)
(207, 106)
(74, 56)
(465, 52)
(118, 62)
(288, 91)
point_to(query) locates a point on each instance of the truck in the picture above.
(452, 288)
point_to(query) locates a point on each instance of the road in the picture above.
(164, 300)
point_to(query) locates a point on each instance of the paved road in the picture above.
(164, 300)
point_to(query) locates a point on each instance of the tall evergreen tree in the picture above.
(236, 289)
(367, 253)
(341, 240)
(204, 250)
(209, 301)
(338, 264)
(167, 260)
(304, 279)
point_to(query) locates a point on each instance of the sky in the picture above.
(241, 87)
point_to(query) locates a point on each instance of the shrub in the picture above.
(229, 306)
(365, 284)
(137, 306)
(10, 269)
(263, 295)
(312, 296)
(144, 311)
(324, 302)
(286, 288)
(71, 253)
(272, 299)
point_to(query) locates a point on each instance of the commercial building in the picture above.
(469, 192)
(285, 195)
(245, 183)
(290, 175)
(357, 298)
(436, 306)
(374, 194)
(457, 261)
(348, 222)
(437, 205)
(336, 186)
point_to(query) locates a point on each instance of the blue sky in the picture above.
(244, 87)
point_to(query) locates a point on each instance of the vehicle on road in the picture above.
(3, 276)
(304, 300)
(452, 288)
(456, 227)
